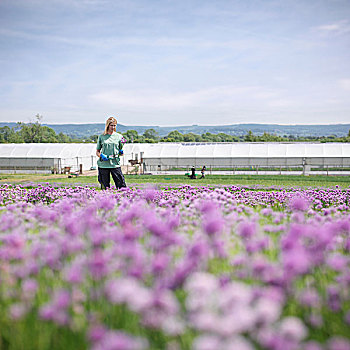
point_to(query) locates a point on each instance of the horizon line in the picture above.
(183, 125)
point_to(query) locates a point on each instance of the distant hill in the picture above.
(86, 130)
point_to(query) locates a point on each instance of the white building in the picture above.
(163, 156)
(52, 157)
(55, 157)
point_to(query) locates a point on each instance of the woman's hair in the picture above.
(110, 120)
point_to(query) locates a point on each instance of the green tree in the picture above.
(131, 135)
(266, 137)
(249, 137)
(146, 140)
(6, 134)
(151, 134)
(224, 137)
(31, 132)
(190, 137)
(209, 137)
(167, 139)
(48, 135)
(34, 132)
(140, 139)
(176, 135)
(10, 135)
(63, 138)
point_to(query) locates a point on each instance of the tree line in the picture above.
(151, 136)
(35, 132)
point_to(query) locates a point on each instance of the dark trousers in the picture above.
(104, 177)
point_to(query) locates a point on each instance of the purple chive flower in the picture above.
(201, 283)
(337, 262)
(128, 291)
(296, 262)
(293, 328)
(163, 313)
(208, 207)
(238, 342)
(181, 272)
(207, 342)
(315, 320)
(309, 297)
(212, 223)
(347, 318)
(160, 263)
(117, 340)
(62, 299)
(297, 217)
(18, 311)
(298, 203)
(144, 249)
(246, 229)
(333, 298)
(198, 250)
(312, 345)
(266, 212)
(96, 333)
(98, 264)
(47, 312)
(29, 287)
(338, 343)
(267, 311)
(150, 194)
(74, 274)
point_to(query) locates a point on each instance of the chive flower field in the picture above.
(203, 268)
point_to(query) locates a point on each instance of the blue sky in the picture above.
(175, 62)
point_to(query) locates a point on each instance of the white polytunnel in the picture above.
(55, 157)
(232, 155)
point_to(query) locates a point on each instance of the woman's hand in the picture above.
(98, 153)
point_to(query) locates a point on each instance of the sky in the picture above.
(175, 62)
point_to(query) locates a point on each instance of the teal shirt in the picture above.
(110, 145)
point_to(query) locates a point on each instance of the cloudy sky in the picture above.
(175, 62)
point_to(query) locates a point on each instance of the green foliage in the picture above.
(225, 138)
(131, 136)
(10, 135)
(250, 180)
(178, 137)
(151, 134)
(35, 132)
(32, 132)
(190, 137)
(63, 138)
(167, 139)
(249, 137)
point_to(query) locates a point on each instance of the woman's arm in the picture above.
(120, 147)
(98, 147)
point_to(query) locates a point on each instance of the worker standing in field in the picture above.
(203, 172)
(193, 172)
(109, 149)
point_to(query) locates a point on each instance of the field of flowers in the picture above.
(204, 268)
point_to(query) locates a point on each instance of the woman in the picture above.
(203, 172)
(109, 148)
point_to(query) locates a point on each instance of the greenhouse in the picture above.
(166, 156)
(53, 157)
(160, 157)
(46, 157)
